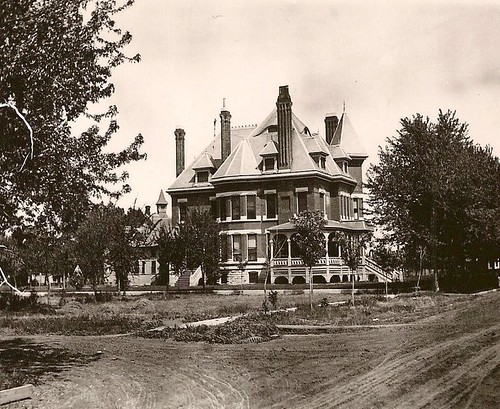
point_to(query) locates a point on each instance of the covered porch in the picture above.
(287, 267)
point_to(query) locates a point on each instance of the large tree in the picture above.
(433, 189)
(57, 58)
(200, 236)
(171, 252)
(109, 238)
(352, 246)
(310, 241)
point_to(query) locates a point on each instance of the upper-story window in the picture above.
(345, 207)
(301, 201)
(271, 211)
(236, 247)
(357, 208)
(235, 208)
(252, 247)
(251, 207)
(322, 203)
(182, 211)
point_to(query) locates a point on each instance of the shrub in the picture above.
(15, 303)
(240, 330)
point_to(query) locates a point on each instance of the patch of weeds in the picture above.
(240, 330)
(79, 325)
(13, 302)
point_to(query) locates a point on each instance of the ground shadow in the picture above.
(23, 361)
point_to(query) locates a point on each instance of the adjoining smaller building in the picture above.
(148, 265)
(255, 178)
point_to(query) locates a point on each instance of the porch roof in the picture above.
(330, 225)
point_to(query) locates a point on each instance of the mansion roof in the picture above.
(251, 145)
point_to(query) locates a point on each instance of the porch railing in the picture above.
(296, 261)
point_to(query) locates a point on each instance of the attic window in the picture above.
(269, 163)
(320, 160)
(202, 176)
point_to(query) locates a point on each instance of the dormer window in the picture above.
(269, 156)
(269, 164)
(202, 176)
(203, 167)
(319, 159)
(345, 167)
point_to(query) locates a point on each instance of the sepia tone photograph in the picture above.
(249, 204)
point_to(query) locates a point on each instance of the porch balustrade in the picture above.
(296, 261)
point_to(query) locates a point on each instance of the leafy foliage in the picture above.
(352, 246)
(171, 251)
(109, 237)
(310, 241)
(57, 58)
(200, 237)
(240, 330)
(309, 238)
(436, 192)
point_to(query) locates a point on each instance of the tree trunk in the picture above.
(352, 291)
(310, 288)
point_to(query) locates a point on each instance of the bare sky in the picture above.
(387, 60)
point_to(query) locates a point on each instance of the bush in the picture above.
(240, 330)
(15, 303)
(84, 324)
(468, 282)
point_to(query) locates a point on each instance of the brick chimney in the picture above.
(331, 123)
(225, 132)
(284, 109)
(179, 151)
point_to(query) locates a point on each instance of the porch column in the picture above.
(271, 267)
(289, 244)
(327, 258)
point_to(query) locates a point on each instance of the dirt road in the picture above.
(451, 360)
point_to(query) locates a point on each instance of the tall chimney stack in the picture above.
(225, 132)
(284, 109)
(179, 151)
(331, 123)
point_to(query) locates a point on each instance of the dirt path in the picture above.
(452, 360)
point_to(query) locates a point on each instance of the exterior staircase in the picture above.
(371, 267)
(189, 278)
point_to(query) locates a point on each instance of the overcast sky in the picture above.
(387, 60)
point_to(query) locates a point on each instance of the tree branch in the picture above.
(20, 115)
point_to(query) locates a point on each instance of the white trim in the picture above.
(182, 200)
(270, 192)
(301, 189)
(243, 231)
(237, 193)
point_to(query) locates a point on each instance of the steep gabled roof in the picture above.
(270, 149)
(338, 153)
(248, 144)
(244, 161)
(241, 161)
(345, 136)
(161, 199)
(204, 161)
(186, 179)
